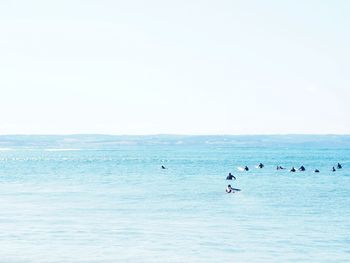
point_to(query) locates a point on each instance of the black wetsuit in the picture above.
(229, 189)
(230, 177)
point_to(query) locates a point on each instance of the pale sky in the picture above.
(177, 67)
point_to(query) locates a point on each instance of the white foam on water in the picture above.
(61, 150)
(6, 149)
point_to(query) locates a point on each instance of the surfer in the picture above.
(333, 169)
(316, 171)
(339, 166)
(230, 177)
(279, 167)
(292, 170)
(229, 189)
(261, 165)
(246, 168)
(163, 167)
(302, 168)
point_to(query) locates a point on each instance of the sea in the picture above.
(104, 198)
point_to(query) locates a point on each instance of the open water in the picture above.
(109, 200)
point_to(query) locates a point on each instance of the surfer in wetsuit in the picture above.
(302, 168)
(333, 169)
(246, 168)
(230, 177)
(261, 165)
(339, 166)
(229, 189)
(292, 170)
(280, 167)
(316, 171)
(163, 167)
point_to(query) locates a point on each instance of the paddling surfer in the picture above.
(230, 177)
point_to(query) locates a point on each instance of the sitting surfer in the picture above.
(163, 167)
(292, 170)
(333, 169)
(279, 167)
(316, 171)
(229, 189)
(339, 166)
(246, 168)
(302, 168)
(230, 177)
(261, 165)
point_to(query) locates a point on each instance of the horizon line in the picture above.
(176, 134)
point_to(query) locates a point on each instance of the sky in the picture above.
(174, 67)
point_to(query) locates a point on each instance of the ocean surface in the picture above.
(94, 198)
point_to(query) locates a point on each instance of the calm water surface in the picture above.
(119, 206)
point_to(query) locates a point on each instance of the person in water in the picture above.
(163, 167)
(316, 171)
(229, 189)
(230, 177)
(279, 167)
(333, 169)
(246, 168)
(292, 170)
(302, 168)
(339, 166)
(261, 166)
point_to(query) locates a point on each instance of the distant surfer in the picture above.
(230, 177)
(261, 166)
(229, 189)
(333, 169)
(293, 170)
(339, 166)
(316, 171)
(246, 168)
(279, 167)
(163, 167)
(302, 168)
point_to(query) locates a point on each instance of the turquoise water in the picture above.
(113, 203)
